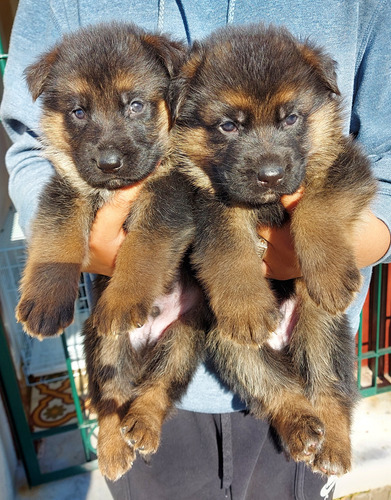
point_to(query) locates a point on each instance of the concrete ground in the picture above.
(377, 494)
(371, 440)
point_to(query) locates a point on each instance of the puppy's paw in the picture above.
(251, 324)
(334, 289)
(115, 457)
(333, 459)
(305, 438)
(142, 432)
(44, 314)
(48, 295)
(115, 313)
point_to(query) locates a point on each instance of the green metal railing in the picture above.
(3, 58)
(377, 356)
(25, 439)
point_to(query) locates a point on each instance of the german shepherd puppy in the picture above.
(258, 115)
(105, 125)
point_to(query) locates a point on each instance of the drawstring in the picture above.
(226, 453)
(231, 11)
(160, 20)
(162, 5)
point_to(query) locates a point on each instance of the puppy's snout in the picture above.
(109, 161)
(270, 175)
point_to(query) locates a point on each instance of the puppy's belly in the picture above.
(164, 312)
(281, 336)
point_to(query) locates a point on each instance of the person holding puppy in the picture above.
(211, 448)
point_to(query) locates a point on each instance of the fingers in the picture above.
(107, 231)
(280, 260)
(290, 201)
(110, 218)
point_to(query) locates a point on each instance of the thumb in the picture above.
(290, 201)
(112, 215)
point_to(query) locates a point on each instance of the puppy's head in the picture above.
(105, 102)
(255, 105)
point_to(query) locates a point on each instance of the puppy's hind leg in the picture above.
(111, 369)
(167, 370)
(323, 351)
(265, 380)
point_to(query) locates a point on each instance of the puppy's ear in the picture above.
(171, 54)
(37, 74)
(181, 84)
(323, 64)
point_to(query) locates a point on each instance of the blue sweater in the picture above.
(356, 33)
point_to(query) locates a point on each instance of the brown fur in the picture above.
(233, 125)
(101, 70)
(293, 388)
(211, 203)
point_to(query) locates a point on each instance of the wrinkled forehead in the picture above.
(256, 104)
(255, 82)
(105, 85)
(96, 67)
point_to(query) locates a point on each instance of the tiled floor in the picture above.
(371, 471)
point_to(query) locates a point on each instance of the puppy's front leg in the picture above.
(229, 266)
(323, 230)
(160, 229)
(58, 246)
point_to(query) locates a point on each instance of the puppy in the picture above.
(259, 115)
(105, 125)
(242, 139)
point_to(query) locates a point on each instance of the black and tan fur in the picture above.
(235, 151)
(259, 115)
(105, 125)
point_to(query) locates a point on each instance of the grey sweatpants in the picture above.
(211, 457)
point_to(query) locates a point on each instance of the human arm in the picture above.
(370, 245)
(28, 170)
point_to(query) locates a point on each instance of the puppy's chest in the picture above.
(268, 214)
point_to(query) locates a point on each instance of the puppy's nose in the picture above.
(270, 175)
(109, 161)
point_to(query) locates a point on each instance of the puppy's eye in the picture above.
(291, 119)
(79, 113)
(136, 107)
(228, 127)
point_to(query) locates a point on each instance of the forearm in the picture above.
(28, 170)
(372, 240)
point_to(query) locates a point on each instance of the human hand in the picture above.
(280, 261)
(107, 232)
(371, 241)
